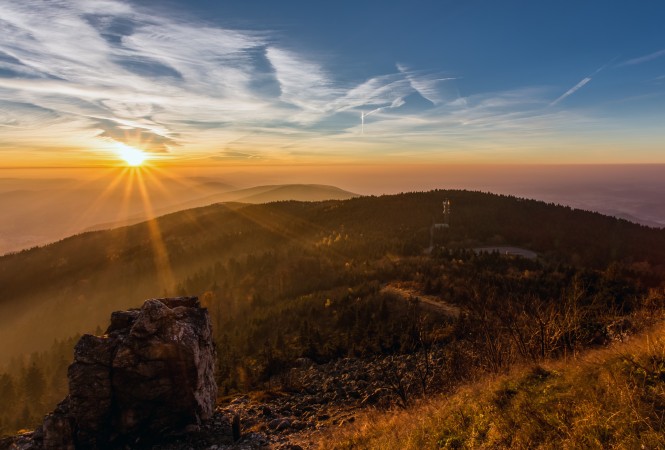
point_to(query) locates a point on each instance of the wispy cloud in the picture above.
(302, 83)
(643, 59)
(427, 87)
(166, 80)
(135, 135)
(483, 125)
(399, 101)
(228, 155)
(94, 72)
(138, 71)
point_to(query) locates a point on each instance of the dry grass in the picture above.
(610, 398)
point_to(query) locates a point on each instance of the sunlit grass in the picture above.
(609, 399)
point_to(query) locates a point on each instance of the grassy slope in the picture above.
(610, 398)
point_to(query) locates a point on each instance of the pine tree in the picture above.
(7, 390)
(34, 384)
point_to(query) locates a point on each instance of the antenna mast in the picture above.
(437, 226)
(446, 213)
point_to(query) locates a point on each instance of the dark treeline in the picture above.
(32, 385)
(290, 280)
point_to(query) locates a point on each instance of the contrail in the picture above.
(580, 84)
(571, 90)
(363, 115)
(399, 101)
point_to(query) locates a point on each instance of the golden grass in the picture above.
(610, 398)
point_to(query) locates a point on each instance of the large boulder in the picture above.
(149, 376)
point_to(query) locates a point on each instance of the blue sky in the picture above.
(304, 81)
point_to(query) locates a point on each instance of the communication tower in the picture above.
(438, 226)
(446, 213)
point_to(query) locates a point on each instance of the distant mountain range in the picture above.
(253, 195)
(37, 212)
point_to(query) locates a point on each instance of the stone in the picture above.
(163, 371)
(122, 321)
(298, 425)
(23, 441)
(90, 393)
(279, 424)
(150, 376)
(57, 431)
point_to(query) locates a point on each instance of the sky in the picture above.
(260, 82)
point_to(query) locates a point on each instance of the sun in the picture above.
(132, 156)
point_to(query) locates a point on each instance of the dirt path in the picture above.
(509, 251)
(428, 301)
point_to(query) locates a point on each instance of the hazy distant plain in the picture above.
(41, 206)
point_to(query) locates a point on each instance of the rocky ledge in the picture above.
(148, 383)
(149, 377)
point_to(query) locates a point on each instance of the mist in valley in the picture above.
(42, 206)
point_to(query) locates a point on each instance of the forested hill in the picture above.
(72, 285)
(337, 279)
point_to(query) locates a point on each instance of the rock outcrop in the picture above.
(149, 376)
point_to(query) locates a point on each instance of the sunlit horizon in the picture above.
(186, 85)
